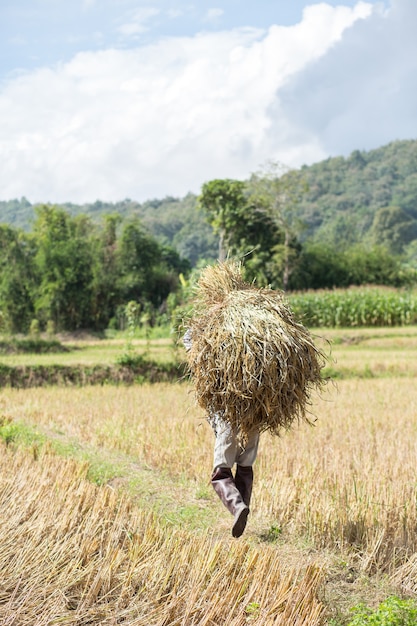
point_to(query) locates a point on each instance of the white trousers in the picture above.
(227, 449)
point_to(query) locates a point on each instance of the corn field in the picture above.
(355, 307)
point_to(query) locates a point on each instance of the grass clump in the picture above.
(32, 345)
(12, 432)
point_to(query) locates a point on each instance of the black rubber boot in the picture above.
(224, 485)
(244, 482)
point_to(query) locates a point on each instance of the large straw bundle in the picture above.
(250, 359)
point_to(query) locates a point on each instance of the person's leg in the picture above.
(244, 482)
(226, 450)
(244, 470)
(247, 454)
(226, 446)
(225, 487)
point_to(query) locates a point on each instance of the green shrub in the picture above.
(391, 612)
(31, 345)
(34, 329)
(131, 359)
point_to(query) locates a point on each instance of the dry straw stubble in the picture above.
(76, 554)
(250, 359)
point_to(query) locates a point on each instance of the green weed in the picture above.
(252, 610)
(18, 433)
(391, 612)
(273, 534)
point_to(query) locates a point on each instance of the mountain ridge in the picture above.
(367, 197)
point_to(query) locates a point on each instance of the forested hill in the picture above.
(369, 196)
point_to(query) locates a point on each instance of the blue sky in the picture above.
(44, 32)
(108, 99)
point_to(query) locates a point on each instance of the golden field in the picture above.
(107, 515)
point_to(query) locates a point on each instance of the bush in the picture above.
(34, 329)
(392, 612)
(31, 345)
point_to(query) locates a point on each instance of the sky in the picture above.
(115, 99)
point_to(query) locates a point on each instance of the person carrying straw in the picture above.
(253, 367)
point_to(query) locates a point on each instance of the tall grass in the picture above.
(355, 307)
(349, 484)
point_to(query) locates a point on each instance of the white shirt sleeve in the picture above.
(187, 340)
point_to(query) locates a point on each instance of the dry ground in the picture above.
(107, 515)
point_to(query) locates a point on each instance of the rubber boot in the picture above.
(244, 482)
(224, 485)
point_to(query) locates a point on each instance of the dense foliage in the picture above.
(70, 273)
(393, 611)
(368, 197)
(337, 223)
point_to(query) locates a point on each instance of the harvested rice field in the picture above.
(107, 515)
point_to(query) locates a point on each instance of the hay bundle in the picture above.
(249, 358)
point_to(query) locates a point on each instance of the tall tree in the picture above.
(223, 201)
(64, 263)
(137, 253)
(276, 191)
(105, 271)
(17, 278)
(246, 229)
(393, 228)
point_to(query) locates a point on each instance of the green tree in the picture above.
(18, 279)
(324, 266)
(320, 266)
(393, 228)
(148, 271)
(105, 272)
(137, 254)
(64, 263)
(276, 192)
(223, 201)
(245, 229)
(376, 266)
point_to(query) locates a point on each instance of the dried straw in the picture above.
(251, 361)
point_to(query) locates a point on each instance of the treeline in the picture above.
(257, 221)
(368, 198)
(338, 223)
(69, 273)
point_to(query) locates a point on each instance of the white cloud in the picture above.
(213, 14)
(362, 94)
(138, 21)
(163, 118)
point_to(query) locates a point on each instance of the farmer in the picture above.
(235, 492)
(254, 367)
